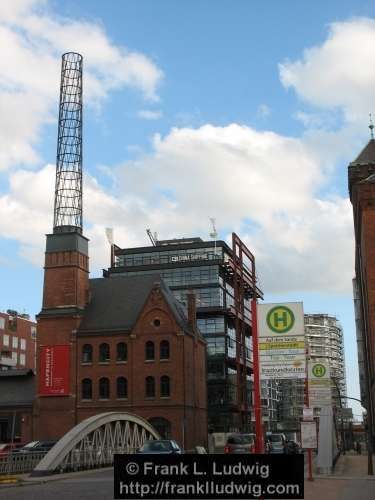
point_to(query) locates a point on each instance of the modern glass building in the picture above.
(223, 280)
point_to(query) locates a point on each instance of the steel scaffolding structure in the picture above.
(68, 188)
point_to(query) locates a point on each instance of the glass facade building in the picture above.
(220, 277)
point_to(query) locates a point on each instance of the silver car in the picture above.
(240, 443)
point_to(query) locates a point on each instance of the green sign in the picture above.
(280, 319)
(319, 370)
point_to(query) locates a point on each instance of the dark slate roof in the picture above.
(17, 388)
(116, 303)
(367, 155)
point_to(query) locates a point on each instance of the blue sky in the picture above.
(248, 112)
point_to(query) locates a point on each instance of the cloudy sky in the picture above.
(248, 112)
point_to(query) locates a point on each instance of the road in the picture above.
(86, 486)
(98, 485)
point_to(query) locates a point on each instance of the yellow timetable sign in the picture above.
(281, 345)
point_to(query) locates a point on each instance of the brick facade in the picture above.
(17, 341)
(66, 295)
(362, 195)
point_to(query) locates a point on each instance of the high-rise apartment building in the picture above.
(223, 280)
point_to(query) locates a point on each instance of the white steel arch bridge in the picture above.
(93, 442)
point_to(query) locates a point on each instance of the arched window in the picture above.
(162, 425)
(150, 387)
(122, 387)
(104, 388)
(165, 390)
(164, 349)
(122, 351)
(86, 388)
(149, 351)
(87, 353)
(104, 353)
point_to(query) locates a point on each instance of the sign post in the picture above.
(257, 401)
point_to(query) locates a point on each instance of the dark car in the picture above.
(292, 447)
(240, 443)
(160, 446)
(37, 447)
(8, 448)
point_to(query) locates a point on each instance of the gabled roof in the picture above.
(116, 303)
(367, 155)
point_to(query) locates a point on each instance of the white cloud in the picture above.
(33, 39)
(148, 114)
(339, 72)
(259, 184)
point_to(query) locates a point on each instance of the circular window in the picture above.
(156, 322)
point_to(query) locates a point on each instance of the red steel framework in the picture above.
(241, 266)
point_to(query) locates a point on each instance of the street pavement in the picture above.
(349, 482)
(82, 486)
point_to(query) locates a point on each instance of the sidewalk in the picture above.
(349, 481)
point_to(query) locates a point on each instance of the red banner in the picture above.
(54, 363)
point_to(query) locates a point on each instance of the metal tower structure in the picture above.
(68, 188)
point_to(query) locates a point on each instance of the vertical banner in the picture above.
(282, 351)
(54, 370)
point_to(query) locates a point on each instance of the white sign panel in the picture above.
(319, 383)
(280, 320)
(281, 341)
(308, 435)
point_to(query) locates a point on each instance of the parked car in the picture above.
(7, 448)
(277, 443)
(37, 446)
(160, 446)
(240, 443)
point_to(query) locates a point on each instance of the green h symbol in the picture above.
(280, 318)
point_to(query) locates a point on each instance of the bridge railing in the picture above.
(91, 458)
(18, 463)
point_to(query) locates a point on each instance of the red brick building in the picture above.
(126, 344)
(362, 196)
(17, 341)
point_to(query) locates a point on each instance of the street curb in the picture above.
(347, 478)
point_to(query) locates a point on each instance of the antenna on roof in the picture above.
(213, 233)
(371, 126)
(153, 237)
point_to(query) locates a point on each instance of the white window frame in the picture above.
(5, 340)
(14, 342)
